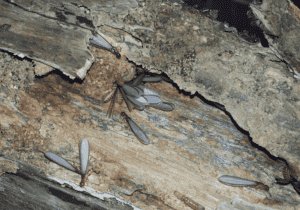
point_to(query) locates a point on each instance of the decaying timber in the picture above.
(29, 184)
(194, 142)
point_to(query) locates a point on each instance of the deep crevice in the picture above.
(66, 197)
(15, 56)
(61, 75)
(237, 14)
(296, 2)
(220, 107)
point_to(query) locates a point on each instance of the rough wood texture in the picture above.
(193, 145)
(281, 19)
(61, 46)
(27, 188)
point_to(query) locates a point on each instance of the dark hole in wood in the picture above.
(85, 21)
(237, 14)
(60, 16)
(296, 2)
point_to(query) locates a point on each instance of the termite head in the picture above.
(116, 51)
(124, 115)
(119, 81)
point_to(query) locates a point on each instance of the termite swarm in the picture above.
(137, 96)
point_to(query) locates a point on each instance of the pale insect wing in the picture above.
(100, 42)
(148, 91)
(152, 99)
(142, 100)
(130, 91)
(138, 132)
(236, 181)
(139, 90)
(139, 102)
(139, 106)
(84, 153)
(60, 161)
(164, 106)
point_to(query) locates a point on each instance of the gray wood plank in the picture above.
(51, 42)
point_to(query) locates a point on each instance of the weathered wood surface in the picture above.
(59, 45)
(281, 19)
(252, 82)
(196, 142)
(191, 146)
(27, 188)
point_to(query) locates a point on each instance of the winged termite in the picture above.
(99, 41)
(84, 151)
(236, 181)
(137, 131)
(241, 182)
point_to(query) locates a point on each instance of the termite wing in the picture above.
(60, 161)
(84, 152)
(99, 41)
(241, 182)
(163, 106)
(137, 131)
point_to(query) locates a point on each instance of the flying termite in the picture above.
(84, 151)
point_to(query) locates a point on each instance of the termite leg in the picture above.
(128, 103)
(112, 103)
